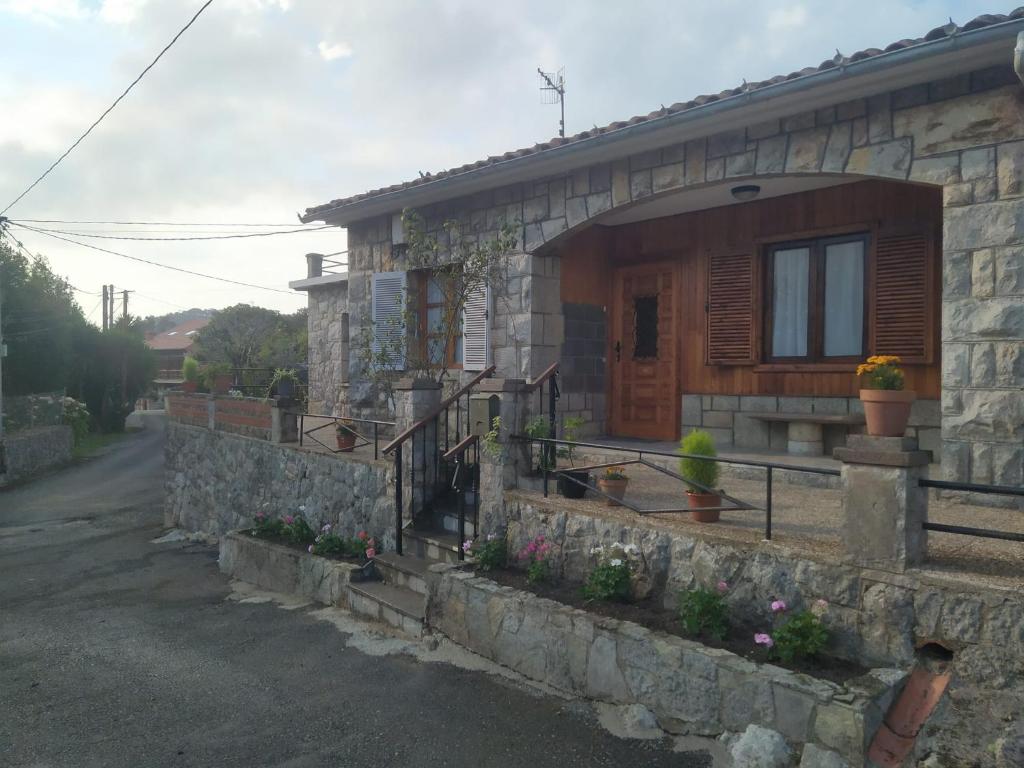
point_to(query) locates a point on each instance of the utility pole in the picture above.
(3, 353)
(105, 306)
(124, 307)
(110, 310)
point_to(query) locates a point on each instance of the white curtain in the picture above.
(789, 303)
(844, 299)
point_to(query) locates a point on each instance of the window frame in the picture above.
(423, 337)
(815, 298)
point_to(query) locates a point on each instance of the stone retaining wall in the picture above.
(689, 687)
(216, 482)
(32, 451)
(283, 569)
(876, 618)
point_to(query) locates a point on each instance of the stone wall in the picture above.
(689, 687)
(724, 417)
(965, 134)
(583, 365)
(33, 451)
(216, 482)
(329, 347)
(876, 618)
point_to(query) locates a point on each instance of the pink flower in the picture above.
(371, 544)
(361, 535)
(467, 545)
(288, 519)
(326, 528)
(371, 552)
(260, 516)
(723, 587)
(763, 638)
(310, 549)
(778, 606)
(820, 608)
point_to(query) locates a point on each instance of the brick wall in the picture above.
(248, 416)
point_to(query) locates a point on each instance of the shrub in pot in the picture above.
(701, 475)
(886, 402)
(571, 482)
(190, 373)
(284, 383)
(346, 435)
(217, 377)
(613, 483)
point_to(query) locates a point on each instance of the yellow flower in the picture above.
(884, 360)
(865, 368)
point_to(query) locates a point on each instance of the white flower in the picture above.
(616, 563)
(597, 550)
(631, 549)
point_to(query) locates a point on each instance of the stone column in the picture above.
(883, 505)
(284, 424)
(415, 399)
(314, 265)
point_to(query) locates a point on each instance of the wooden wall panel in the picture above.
(586, 261)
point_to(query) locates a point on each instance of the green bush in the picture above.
(698, 472)
(490, 554)
(704, 612)
(76, 415)
(190, 370)
(609, 581)
(801, 636)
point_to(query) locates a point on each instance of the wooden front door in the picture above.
(644, 392)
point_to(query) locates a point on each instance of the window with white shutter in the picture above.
(476, 330)
(388, 322)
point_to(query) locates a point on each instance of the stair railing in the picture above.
(466, 481)
(547, 401)
(437, 426)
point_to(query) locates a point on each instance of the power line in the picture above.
(158, 264)
(155, 223)
(108, 109)
(29, 254)
(172, 239)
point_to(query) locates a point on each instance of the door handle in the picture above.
(618, 351)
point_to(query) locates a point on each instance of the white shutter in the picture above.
(476, 330)
(388, 307)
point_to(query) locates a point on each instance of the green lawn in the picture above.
(94, 442)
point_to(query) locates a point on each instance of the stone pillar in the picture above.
(498, 471)
(805, 438)
(314, 265)
(883, 505)
(415, 399)
(284, 425)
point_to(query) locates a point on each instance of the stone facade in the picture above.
(33, 451)
(217, 481)
(329, 347)
(689, 687)
(966, 136)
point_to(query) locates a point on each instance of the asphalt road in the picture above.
(115, 651)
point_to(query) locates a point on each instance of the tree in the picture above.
(245, 336)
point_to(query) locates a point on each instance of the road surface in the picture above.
(115, 651)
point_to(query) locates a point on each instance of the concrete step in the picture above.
(390, 604)
(403, 571)
(440, 546)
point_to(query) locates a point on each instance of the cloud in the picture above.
(330, 52)
(46, 11)
(121, 11)
(787, 17)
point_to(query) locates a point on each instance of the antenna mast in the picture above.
(554, 90)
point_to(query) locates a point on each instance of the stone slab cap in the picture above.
(882, 451)
(416, 383)
(501, 385)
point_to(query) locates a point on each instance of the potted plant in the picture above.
(283, 383)
(571, 482)
(613, 483)
(190, 374)
(218, 378)
(700, 475)
(886, 402)
(538, 428)
(346, 435)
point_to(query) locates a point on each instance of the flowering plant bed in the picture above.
(738, 637)
(293, 531)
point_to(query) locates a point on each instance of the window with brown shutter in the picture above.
(903, 320)
(730, 310)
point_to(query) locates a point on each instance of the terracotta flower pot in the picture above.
(616, 489)
(887, 411)
(346, 442)
(189, 387)
(703, 506)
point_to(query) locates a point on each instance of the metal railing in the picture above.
(548, 402)
(965, 530)
(735, 504)
(466, 484)
(334, 266)
(362, 439)
(445, 426)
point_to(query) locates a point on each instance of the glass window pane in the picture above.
(844, 299)
(434, 320)
(789, 302)
(434, 293)
(645, 327)
(435, 351)
(458, 349)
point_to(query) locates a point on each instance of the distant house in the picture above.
(171, 347)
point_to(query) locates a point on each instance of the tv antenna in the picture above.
(554, 91)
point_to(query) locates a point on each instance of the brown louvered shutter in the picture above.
(730, 310)
(903, 321)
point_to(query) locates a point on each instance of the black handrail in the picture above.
(374, 423)
(469, 444)
(966, 530)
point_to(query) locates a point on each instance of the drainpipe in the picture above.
(1018, 57)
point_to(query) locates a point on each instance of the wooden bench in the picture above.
(805, 431)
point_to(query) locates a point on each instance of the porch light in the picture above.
(746, 192)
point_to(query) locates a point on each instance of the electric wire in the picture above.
(156, 223)
(108, 109)
(166, 239)
(162, 266)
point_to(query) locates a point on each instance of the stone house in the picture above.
(725, 262)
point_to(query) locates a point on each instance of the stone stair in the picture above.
(437, 545)
(398, 597)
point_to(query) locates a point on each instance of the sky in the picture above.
(267, 107)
